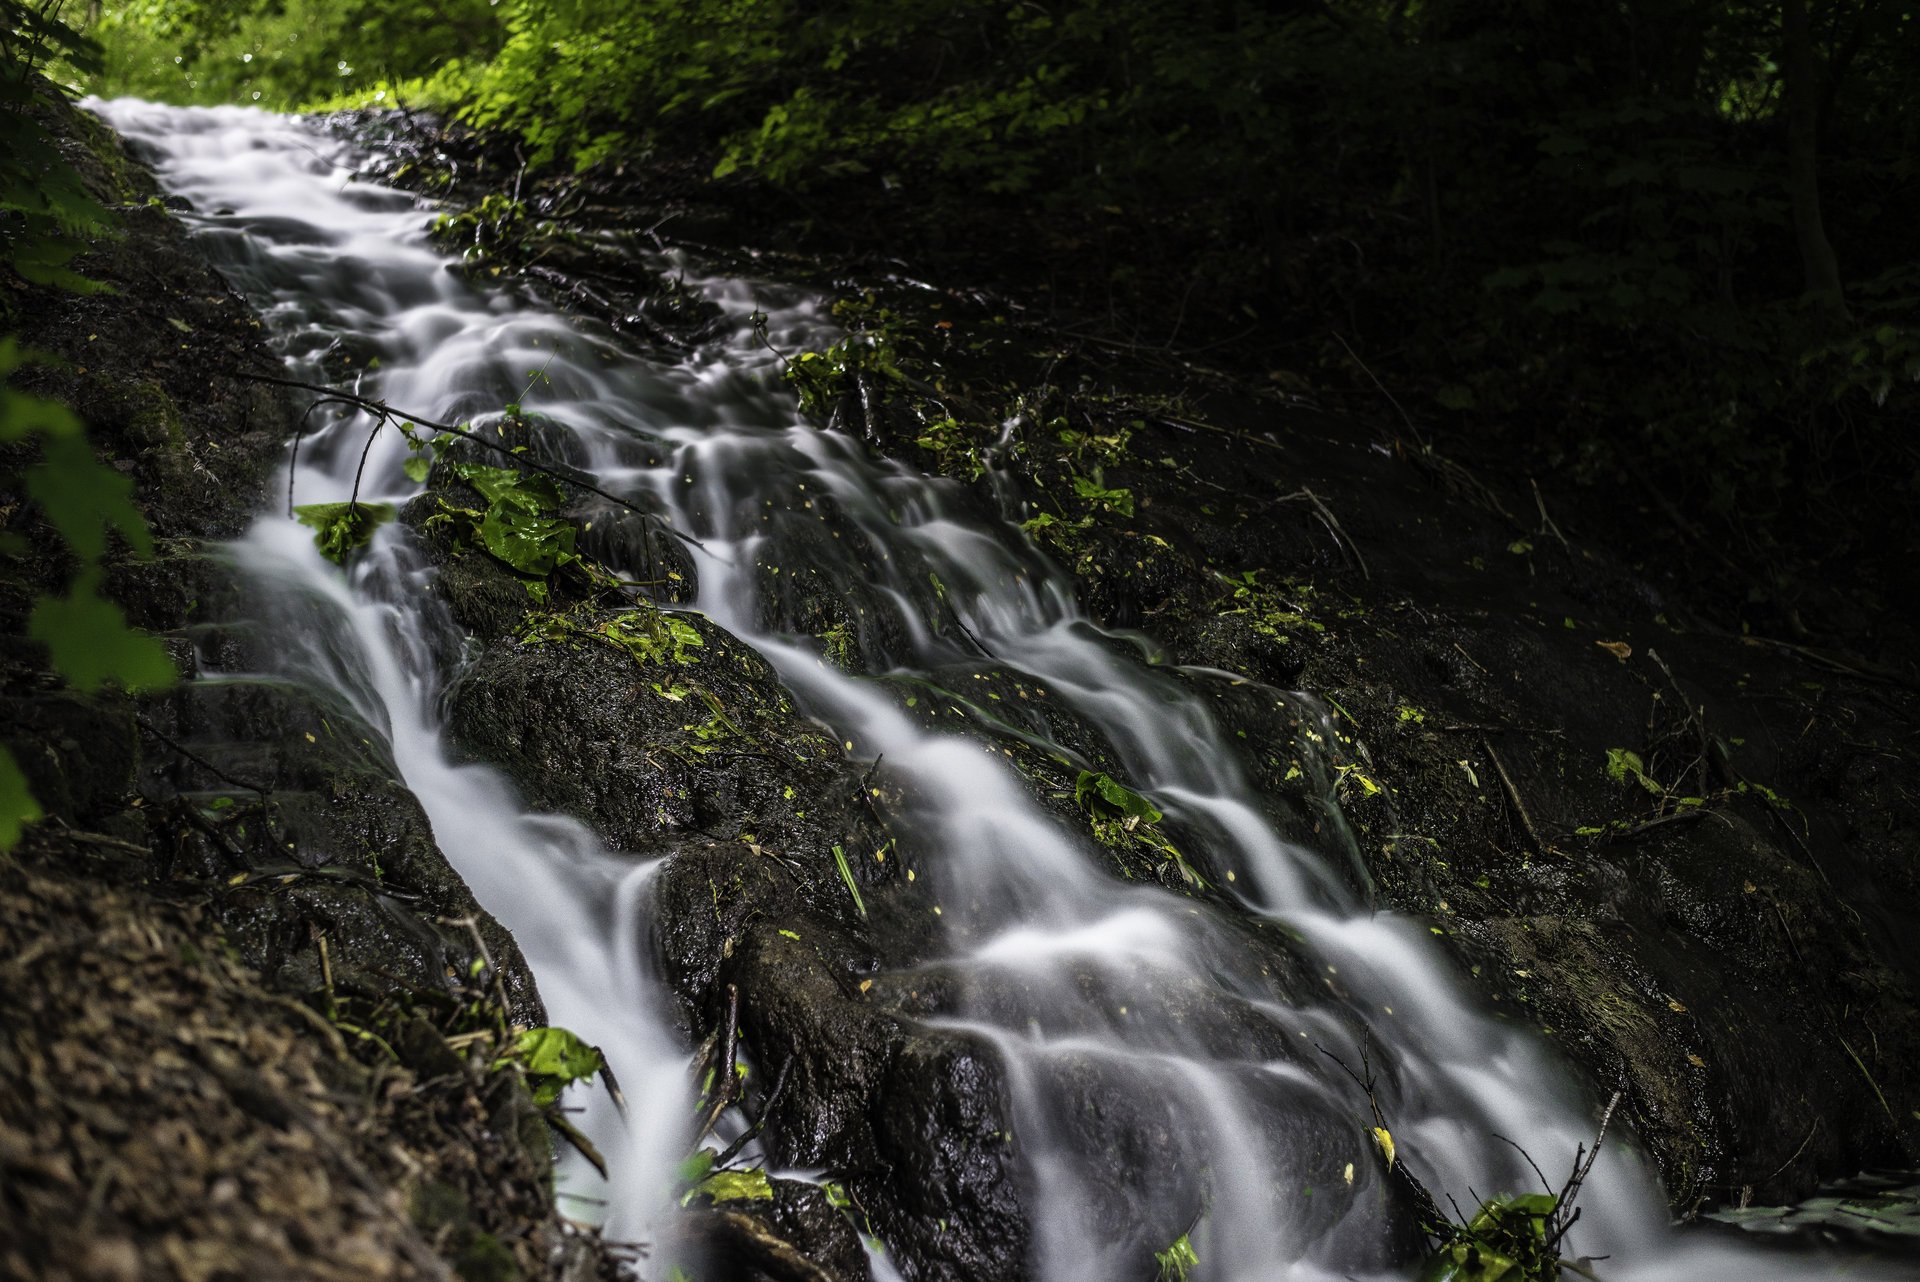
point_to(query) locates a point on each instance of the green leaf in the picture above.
(554, 1059)
(694, 1167)
(530, 544)
(341, 528)
(556, 1052)
(1177, 1259)
(1624, 765)
(92, 645)
(416, 467)
(846, 875)
(84, 499)
(17, 806)
(1099, 792)
(735, 1186)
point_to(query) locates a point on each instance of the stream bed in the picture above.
(1159, 1064)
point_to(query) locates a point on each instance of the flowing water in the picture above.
(1069, 973)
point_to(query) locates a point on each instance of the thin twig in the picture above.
(1513, 794)
(198, 760)
(353, 499)
(383, 410)
(1545, 1184)
(729, 1054)
(732, 1150)
(1546, 522)
(1405, 417)
(1332, 522)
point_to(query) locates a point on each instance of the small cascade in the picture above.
(1100, 996)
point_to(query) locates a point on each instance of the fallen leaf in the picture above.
(1618, 649)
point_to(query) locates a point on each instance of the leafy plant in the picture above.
(520, 527)
(721, 1184)
(46, 215)
(1122, 817)
(85, 501)
(553, 1059)
(340, 529)
(1177, 1260)
(643, 633)
(1507, 1240)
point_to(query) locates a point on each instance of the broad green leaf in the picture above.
(417, 466)
(84, 499)
(530, 544)
(341, 528)
(22, 414)
(554, 1059)
(92, 645)
(17, 806)
(736, 1186)
(1097, 791)
(555, 1052)
(695, 1166)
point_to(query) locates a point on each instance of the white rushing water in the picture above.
(1029, 919)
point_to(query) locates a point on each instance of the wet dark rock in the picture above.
(640, 750)
(293, 795)
(911, 1119)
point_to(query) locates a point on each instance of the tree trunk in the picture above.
(1821, 268)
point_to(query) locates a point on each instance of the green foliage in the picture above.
(498, 227)
(823, 380)
(1095, 491)
(1508, 1240)
(697, 1173)
(17, 805)
(1177, 1260)
(287, 54)
(520, 526)
(1108, 798)
(1122, 818)
(91, 644)
(846, 877)
(644, 634)
(86, 502)
(1624, 765)
(46, 214)
(342, 528)
(46, 218)
(553, 1059)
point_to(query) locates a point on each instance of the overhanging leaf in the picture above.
(92, 645)
(84, 499)
(340, 528)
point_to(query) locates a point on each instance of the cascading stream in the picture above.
(1070, 974)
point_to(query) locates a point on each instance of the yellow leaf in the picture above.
(1384, 1140)
(1618, 649)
